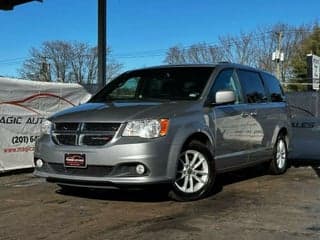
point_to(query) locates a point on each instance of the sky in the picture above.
(140, 31)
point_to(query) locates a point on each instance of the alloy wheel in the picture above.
(281, 154)
(193, 171)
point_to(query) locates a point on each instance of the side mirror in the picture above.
(224, 97)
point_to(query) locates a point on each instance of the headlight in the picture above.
(45, 127)
(147, 128)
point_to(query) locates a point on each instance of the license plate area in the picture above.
(75, 160)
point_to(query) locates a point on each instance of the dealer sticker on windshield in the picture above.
(75, 160)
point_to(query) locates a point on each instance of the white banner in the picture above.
(23, 106)
(315, 72)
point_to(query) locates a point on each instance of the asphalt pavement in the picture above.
(246, 204)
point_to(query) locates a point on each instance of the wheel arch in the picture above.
(274, 167)
(281, 131)
(200, 136)
(202, 143)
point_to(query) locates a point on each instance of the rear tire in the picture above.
(279, 163)
(195, 175)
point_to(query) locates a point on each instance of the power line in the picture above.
(10, 60)
(162, 52)
(231, 42)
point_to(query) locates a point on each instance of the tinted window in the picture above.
(226, 80)
(164, 83)
(127, 90)
(252, 86)
(274, 88)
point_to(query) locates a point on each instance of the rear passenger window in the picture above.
(252, 86)
(274, 88)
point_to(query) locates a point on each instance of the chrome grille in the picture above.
(65, 139)
(108, 127)
(65, 126)
(96, 140)
(90, 134)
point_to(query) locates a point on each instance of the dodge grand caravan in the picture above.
(177, 125)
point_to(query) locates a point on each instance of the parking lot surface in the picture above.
(246, 205)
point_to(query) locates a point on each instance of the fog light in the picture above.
(39, 163)
(140, 169)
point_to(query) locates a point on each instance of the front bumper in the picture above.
(106, 183)
(104, 162)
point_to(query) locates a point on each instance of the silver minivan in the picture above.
(177, 125)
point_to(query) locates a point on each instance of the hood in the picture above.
(121, 111)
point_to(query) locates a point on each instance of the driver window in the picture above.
(226, 80)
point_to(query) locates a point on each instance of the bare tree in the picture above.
(66, 62)
(92, 62)
(253, 48)
(113, 67)
(268, 42)
(196, 53)
(238, 49)
(264, 46)
(175, 55)
(79, 53)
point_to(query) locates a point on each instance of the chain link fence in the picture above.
(304, 103)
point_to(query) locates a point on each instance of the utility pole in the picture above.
(45, 71)
(102, 42)
(278, 55)
(279, 49)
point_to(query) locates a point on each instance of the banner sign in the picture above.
(24, 105)
(313, 62)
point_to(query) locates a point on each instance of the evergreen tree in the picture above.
(311, 44)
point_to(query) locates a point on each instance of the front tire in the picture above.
(279, 163)
(195, 173)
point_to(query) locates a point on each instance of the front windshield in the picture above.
(181, 83)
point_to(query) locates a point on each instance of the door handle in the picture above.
(253, 114)
(244, 114)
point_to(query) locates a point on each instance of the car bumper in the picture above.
(112, 165)
(100, 181)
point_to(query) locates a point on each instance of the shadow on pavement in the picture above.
(244, 174)
(238, 176)
(317, 170)
(145, 195)
(159, 193)
(16, 171)
(315, 164)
